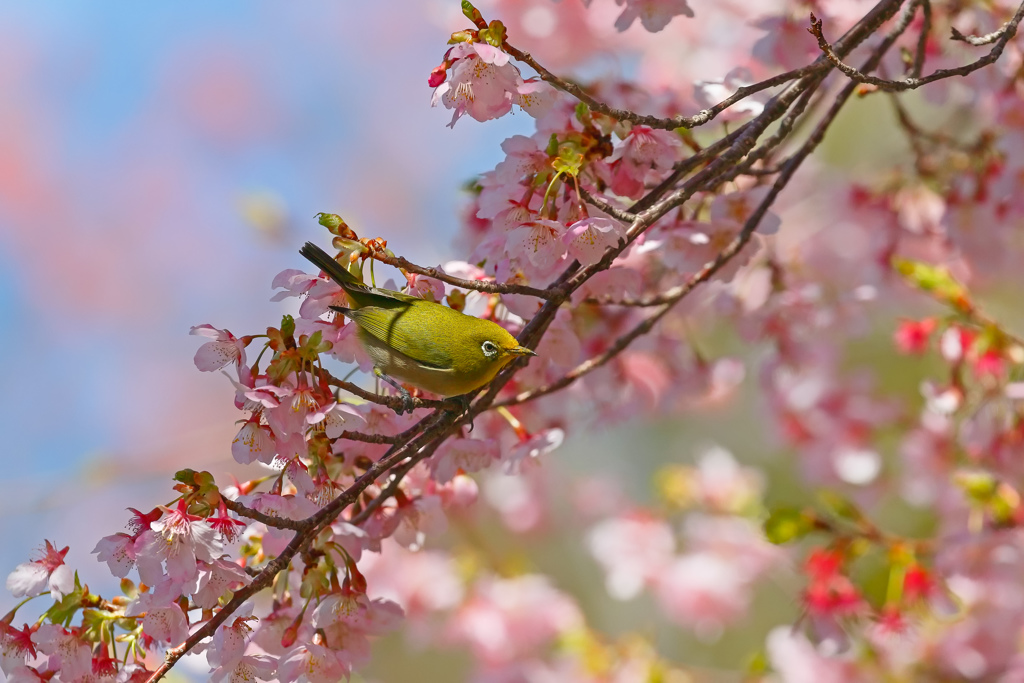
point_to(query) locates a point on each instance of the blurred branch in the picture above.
(922, 39)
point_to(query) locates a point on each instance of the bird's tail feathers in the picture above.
(320, 258)
(347, 312)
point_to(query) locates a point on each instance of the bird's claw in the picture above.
(408, 404)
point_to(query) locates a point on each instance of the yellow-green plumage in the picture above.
(420, 342)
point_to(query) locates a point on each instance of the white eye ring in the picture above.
(489, 348)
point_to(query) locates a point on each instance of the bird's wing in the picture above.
(417, 337)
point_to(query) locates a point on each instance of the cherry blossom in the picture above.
(313, 663)
(508, 619)
(224, 349)
(214, 579)
(16, 647)
(67, 654)
(485, 85)
(642, 151)
(48, 572)
(175, 544)
(162, 617)
(653, 14)
(587, 239)
(634, 550)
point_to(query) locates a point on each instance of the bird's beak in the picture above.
(522, 351)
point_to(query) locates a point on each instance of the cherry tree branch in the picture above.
(270, 520)
(671, 297)
(911, 82)
(476, 285)
(680, 121)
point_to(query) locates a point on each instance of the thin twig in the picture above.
(671, 123)
(922, 39)
(269, 520)
(368, 438)
(478, 285)
(614, 212)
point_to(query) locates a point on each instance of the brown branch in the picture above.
(614, 212)
(671, 123)
(477, 285)
(368, 438)
(922, 39)
(392, 486)
(269, 520)
(911, 83)
(396, 403)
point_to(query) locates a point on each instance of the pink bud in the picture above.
(438, 75)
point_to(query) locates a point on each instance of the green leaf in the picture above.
(465, 36)
(494, 34)
(787, 524)
(282, 366)
(552, 148)
(473, 14)
(582, 113)
(331, 221)
(63, 611)
(287, 326)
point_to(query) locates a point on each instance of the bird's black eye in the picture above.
(489, 348)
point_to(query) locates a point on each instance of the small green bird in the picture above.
(417, 341)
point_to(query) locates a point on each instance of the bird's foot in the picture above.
(408, 404)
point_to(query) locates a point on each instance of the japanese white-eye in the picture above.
(420, 342)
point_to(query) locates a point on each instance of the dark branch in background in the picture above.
(922, 39)
(710, 167)
(911, 83)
